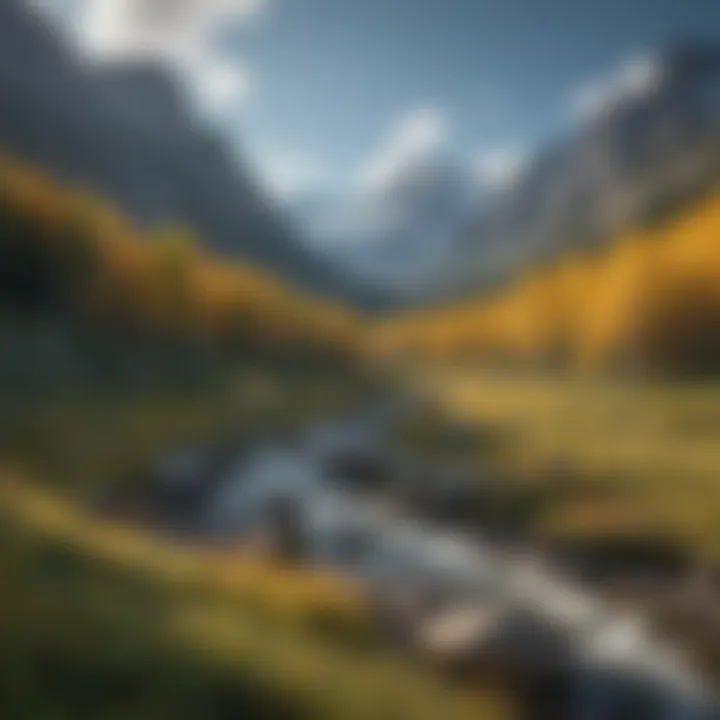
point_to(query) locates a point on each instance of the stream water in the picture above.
(452, 594)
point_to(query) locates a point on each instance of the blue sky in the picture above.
(331, 75)
(320, 92)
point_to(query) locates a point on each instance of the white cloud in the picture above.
(288, 175)
(220, 84)
(415, 135)
(178, 31)
(496, 169)
(634, 78)
(174, 28)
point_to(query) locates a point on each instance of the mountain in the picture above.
(394, 235)
(433, 231)
(631, 163)
(128, 132)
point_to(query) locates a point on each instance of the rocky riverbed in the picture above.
(468, 599)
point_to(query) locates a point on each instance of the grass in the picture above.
(101, 620)
(89, 441)
(646, 455)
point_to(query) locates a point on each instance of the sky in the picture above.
(323, 95)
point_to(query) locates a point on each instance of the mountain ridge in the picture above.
(653, 141)
(627, 165)
(129, 133)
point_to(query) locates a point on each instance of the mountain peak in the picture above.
(128, 131)
(655, 144)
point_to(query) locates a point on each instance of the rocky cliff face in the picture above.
(631, 163)
(400, 235)
(128, 133)
(434, 232)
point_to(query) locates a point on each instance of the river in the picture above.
(451, 595)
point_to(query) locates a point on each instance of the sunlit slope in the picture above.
(66, 251)
(99, 619)
(102, 621)
(648, 301)
(645, 457)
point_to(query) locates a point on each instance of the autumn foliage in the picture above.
(648, 301)
(64, 251)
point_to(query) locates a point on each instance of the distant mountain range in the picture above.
(397, 234)
(633, 162)
(435, 232)
(128, 132)
(430, 232)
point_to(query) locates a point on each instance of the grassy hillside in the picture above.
(648, 302)
(103, 621)
(118, 348)
(83, 287)
(645, 457)
(602, 361)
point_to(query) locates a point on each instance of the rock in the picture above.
(479, 638)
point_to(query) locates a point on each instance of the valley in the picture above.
(432, 433)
